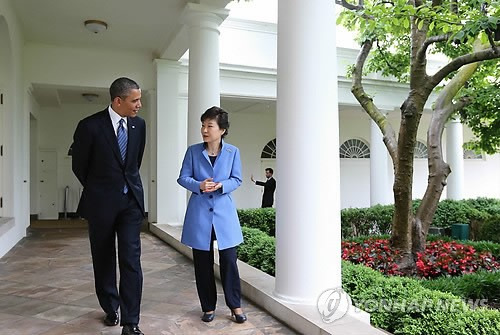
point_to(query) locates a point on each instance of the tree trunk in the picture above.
(401, 238)
(438, 168)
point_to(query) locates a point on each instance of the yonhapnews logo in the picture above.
(333, 304)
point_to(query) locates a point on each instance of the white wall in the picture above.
(15, 168)
(94, 67)
(250, 133)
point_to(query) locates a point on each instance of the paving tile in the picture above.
(47, 287)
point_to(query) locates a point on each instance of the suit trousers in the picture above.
(205, 277)
(123, 223)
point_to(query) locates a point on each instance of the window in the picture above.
(354, 148)
(269, 150)
(420, 150)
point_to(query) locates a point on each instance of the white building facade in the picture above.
(234, 63)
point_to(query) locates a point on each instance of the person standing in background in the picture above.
(107, 153)
(269, 188)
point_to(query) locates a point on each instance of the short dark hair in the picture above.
(121, 87)
(219, 115)
(270, 170)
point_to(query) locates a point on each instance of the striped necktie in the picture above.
(122, 137)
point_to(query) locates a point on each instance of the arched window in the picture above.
(354, 148)
(269, 150)
(471, 154)
(420, 150)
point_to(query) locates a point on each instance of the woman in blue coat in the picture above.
(211, 170)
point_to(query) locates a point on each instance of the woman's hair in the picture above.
(219, 115)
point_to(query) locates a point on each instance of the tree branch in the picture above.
(367, 102)
(489, 33)
(431, 40)
(458, 62)
(349, 6)
(389, 65)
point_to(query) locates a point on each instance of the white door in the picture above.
(47, 186)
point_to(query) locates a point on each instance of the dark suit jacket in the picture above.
(269, 188)
(98, 165)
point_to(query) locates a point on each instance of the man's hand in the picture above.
(251, 178)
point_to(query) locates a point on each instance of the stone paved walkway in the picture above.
(46, 287)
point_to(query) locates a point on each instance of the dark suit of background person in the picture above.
(211, 214)
(269, 188)
(113, 201)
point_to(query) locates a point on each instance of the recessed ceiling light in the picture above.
(90, 97)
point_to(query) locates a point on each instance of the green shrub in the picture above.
(487, 205)
(403, 306)
(478, 285)
(257, 250)
(377, 219)
(366, 221)
(452, 211)
(263, 219)
(490, 229)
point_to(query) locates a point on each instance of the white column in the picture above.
(168, 200)
(308, 204)
(455, 158)
(204, 79)
(380, 188)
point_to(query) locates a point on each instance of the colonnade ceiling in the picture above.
(150, 27)
(55, 96)
(138, 25)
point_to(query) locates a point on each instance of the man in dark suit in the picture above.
(107, 153)
(269, 188)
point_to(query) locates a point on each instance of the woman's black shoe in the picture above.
(208, 317)
(239, 318)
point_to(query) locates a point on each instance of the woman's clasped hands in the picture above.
(208, 185)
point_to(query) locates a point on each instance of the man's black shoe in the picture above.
(111, 319)
(131, 330)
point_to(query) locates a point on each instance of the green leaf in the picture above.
(420, 24)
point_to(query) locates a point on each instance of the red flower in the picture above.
(440, 258)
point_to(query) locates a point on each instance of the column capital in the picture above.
(203, 15)
(453, 120)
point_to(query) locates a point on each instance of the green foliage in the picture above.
(403, 306)
(478, 285)
(257, 250)
(374, 220)
(490, 229)
(377, 220)
(482, 115)
(453, 211)
(263, 219)
(487, 205)
(389, 25)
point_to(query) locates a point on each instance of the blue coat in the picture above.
(214, 208)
